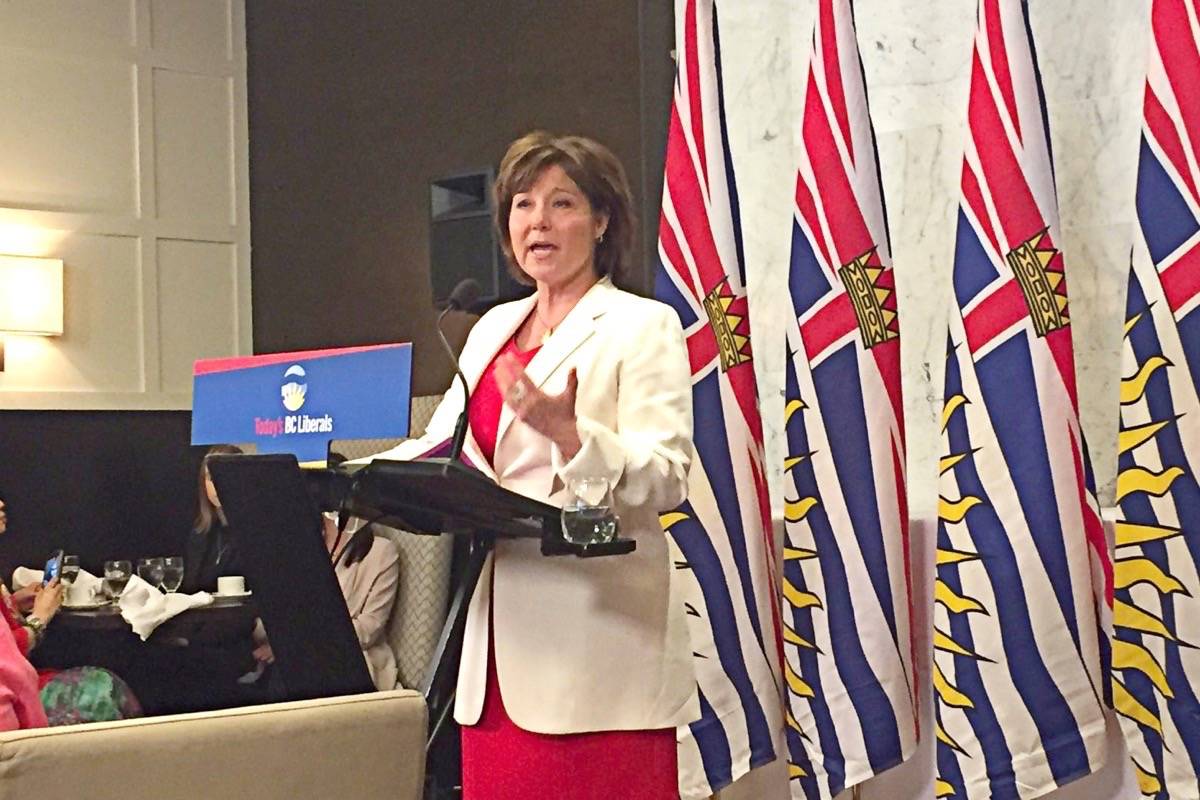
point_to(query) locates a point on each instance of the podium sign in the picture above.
(297, 402)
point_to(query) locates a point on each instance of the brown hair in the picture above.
(598, 174)
(206, 512)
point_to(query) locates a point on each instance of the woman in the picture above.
(79, 694)
(368, 571)
(209, 553)
(19, 703)
(29, 609)
(575, 672)
(205, 672)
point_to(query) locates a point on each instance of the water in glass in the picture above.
(116, 576)
(172, 574)
(587, 517)
(114, 585)
(150, 570)
(70, 569)
(589, 524)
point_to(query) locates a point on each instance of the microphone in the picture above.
(465, 294)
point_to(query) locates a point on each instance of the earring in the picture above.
(600, 239)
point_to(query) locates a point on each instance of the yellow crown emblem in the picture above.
(1038, 267)
(727, 314)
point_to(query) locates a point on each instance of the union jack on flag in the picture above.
(1022, 565)
(723, 531)
(1156, 611)
(847, 601)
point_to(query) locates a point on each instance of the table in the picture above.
(224, 620)
(190, 663)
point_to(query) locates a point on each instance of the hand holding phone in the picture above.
(53, 567)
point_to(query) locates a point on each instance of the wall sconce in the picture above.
(31, 297)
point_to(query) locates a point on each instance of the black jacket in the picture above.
(209, 555)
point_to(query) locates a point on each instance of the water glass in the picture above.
(150, 570)
(172, 574)
(587, 516)
(116, 576)
(69, 570)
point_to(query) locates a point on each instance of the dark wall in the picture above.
(100, 484)
(356, 107)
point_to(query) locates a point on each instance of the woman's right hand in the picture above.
(24, 597)
(48, 601)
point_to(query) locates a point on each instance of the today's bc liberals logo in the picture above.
(292, 392)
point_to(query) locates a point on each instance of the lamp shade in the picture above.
(31, 295)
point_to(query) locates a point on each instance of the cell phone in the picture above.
(53, 567)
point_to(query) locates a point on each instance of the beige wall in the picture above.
(123, 151)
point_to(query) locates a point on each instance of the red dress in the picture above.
(503, 762)
(23, 635)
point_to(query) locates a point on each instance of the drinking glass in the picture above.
(587, 516)
(116, 576)
(69, 570)
(150, 570)
(172, 574)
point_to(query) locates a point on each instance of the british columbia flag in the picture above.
(1156, 612)
(1022, 565)
(846, 589)
(723, 531)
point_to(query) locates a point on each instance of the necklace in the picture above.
(548, 330)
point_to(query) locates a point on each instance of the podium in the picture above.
(429, 497)
(439, 496)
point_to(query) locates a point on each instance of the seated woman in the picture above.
(209, 553)
(202, 674)
(368, 570)
(79, 694)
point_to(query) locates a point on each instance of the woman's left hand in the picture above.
(24, 597)
(552, 415)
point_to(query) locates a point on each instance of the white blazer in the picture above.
(585, 644)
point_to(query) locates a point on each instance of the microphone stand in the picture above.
(460, 428)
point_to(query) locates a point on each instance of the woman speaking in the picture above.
(575, 672)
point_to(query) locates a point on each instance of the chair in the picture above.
(424, 593)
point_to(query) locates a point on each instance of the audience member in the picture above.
(19, 703)
(368, 570)
(210, 552)
(79, 694)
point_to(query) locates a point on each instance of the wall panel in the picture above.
(68, 133)
(193, 148)
(193, 30)
(124, 140)
(70, 25)
(196, 312)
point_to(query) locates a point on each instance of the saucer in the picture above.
(229, 595)
(94, 604)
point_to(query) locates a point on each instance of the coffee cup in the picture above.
(231, 584)
(79, 595)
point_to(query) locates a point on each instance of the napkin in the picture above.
(93, 586)
(144, 607)
(25, 576)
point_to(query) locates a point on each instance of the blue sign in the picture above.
(297, 402)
